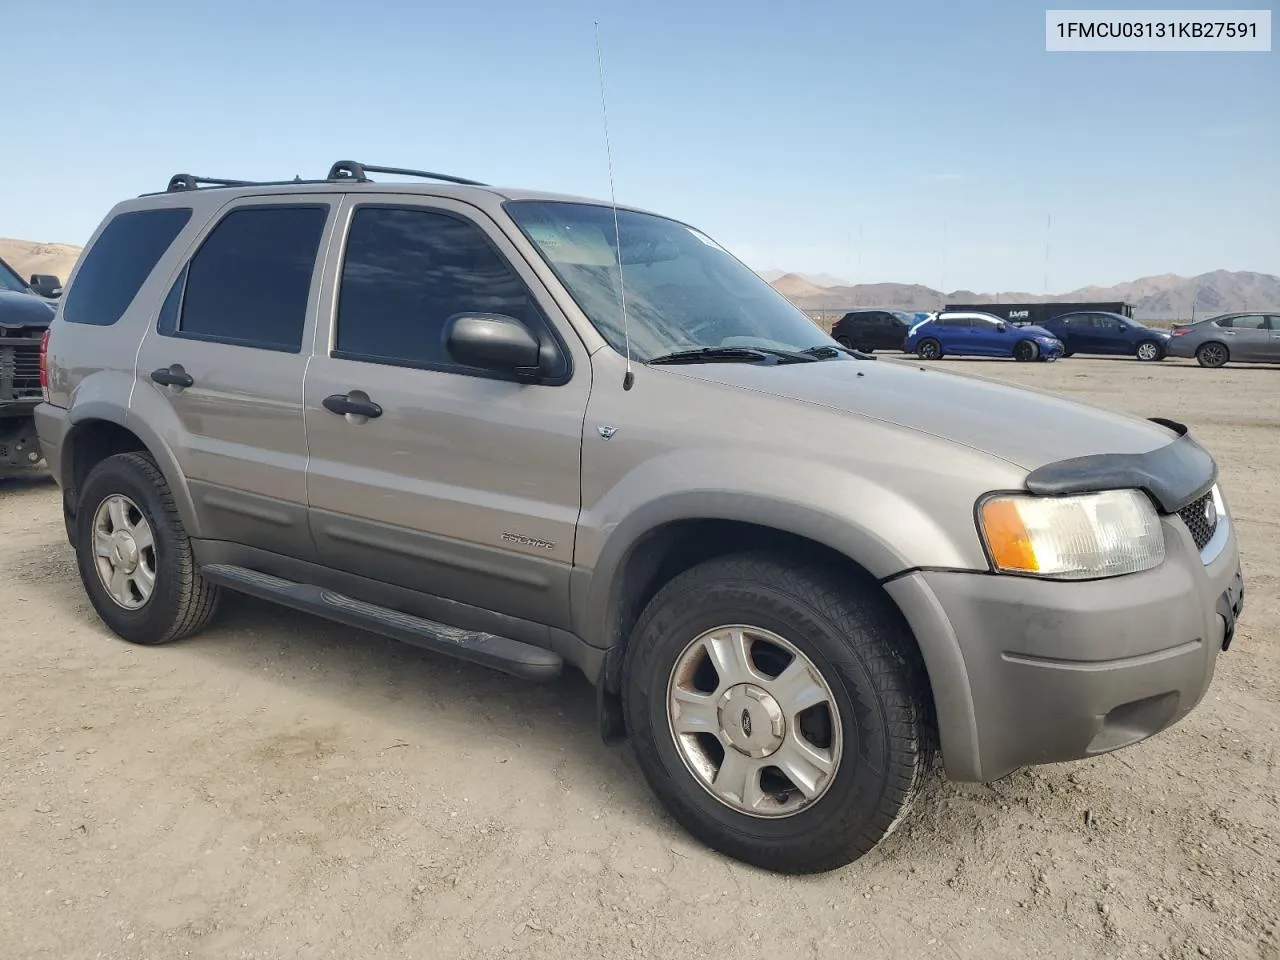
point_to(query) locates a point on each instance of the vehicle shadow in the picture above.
(416, 690)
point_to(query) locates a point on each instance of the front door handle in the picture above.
(169, 377)
(343, 404)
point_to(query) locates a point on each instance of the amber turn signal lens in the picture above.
(1007, 537)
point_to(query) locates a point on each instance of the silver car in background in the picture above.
(1239, 337)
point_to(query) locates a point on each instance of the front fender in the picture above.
(877, 527)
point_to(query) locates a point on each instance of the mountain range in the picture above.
(1163, 297)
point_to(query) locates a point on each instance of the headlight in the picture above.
(1072, 538)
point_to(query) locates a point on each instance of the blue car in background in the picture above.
(979, 335)
(1092, 331)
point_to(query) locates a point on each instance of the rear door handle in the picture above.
(342, 404)
(168, 377)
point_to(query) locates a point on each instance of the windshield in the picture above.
(683, 291)
(10, 280)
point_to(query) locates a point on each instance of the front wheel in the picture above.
(1025, 351)
(1149, 350)
(1211, 354)
(929, 349)
(780, 714)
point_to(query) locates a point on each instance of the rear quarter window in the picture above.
(119, 262)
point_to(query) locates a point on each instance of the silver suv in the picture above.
(793, 573)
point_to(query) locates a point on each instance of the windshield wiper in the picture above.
(825, 351)
(715, 355)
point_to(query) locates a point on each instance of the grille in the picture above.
(19, 371)
(1193, 515)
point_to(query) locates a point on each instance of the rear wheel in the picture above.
(1212, 354)
(1149, 350)
(1025, 351)
(781, 716)
(845, 342)
(929, 349)
(134, 557)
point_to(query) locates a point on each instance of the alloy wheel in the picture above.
(124, 551)
(754, 721)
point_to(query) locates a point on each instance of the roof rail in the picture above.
(350, 170)
(185, 181)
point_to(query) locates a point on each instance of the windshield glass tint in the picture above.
(683, 290)
(10, 280)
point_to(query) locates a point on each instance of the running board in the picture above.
(499, 653)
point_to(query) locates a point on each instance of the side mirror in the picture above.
(1003, 328)
(46, 284)
(492, 341)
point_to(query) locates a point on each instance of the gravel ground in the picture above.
(283, 787)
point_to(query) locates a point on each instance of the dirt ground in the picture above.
(282, 787)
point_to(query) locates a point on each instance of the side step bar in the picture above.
(500, 653)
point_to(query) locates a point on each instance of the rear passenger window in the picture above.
(250, 281)
(406, 272)
(119, 262)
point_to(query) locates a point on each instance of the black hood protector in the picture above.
(1173, 475)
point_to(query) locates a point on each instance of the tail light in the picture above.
(1178, 331)
(44, 364)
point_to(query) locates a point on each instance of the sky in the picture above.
(932, 142)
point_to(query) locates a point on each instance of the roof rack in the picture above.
(185, 181)
(350, 170)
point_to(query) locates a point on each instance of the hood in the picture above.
(1024, 427)
(24, 310)
(1037, 331)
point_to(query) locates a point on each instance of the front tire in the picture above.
(134, 556)
(1025, 351)
(1149, 350)
(1212, 354)
(779, 713)
(929, 349)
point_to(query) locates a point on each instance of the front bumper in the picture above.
(1028, 671)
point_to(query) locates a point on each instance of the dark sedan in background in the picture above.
(1108, 334)
(871, 330)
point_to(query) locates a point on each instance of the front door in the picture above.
(220, 371)
(1247, 336)
(466, 486)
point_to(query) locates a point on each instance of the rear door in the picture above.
(1248, 336)
(219, 373)
(466, 487)
(1273, 345)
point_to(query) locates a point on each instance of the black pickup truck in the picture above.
(26, 310)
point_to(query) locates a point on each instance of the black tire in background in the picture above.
(864, 652)
(929, 349)
(845, 342)
(1024, 351)
(1212, 354)
(1149, 350)
(181, 602)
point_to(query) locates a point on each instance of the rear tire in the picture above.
(1212, 354)
(845, 342)
(929, 349)
(1025, 351)
(126, 513)
(870, 697)
(1149, 350)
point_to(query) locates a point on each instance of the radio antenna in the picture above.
(629, 378)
